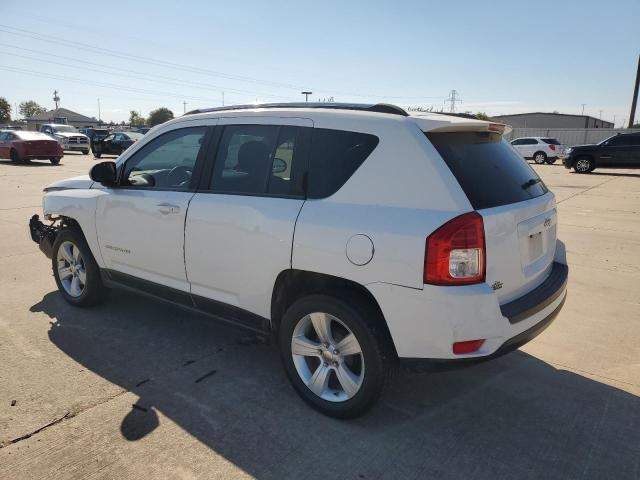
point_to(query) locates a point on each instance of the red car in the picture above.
(21, 145)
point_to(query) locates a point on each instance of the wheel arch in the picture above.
(292, 284)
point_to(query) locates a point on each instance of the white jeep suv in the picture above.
(354, 235)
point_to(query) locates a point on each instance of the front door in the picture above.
(141, 222)
(239, 229)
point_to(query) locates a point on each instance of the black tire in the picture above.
(94, 291)
(15, 158)
(551, 161)
(364, 323)
(55, 160)
(97, 155)
(583, 165)
(85, 152)
(540, 158)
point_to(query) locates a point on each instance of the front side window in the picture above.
(167, 162)
(255, 159)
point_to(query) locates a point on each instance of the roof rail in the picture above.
(366, 107)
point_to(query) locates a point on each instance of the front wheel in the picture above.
(540, 158)
(85, 152)
(583, 165)
(55, 160)
(75, 270)
(15, 157)
(333, 355)
(551, 161)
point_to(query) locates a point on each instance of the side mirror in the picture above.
(279, 165)
(104, 173)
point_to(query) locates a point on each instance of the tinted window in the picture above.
(487, 169)
(624, 140)
(255, 159)
(551, 141)
(335, 156)
(520, 141)
(530, 141)
(167, 162)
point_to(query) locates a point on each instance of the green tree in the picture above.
(135, 118)
(481, 116)
(30, 108)
(159, 116)
(5, 110)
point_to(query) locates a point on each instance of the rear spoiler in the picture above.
(500, 128)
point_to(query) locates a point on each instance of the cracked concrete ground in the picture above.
(138, 389)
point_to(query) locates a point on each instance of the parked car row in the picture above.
(619, 151)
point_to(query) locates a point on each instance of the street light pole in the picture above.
(99, 118)
(306, 95)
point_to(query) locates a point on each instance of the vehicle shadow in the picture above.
(30, 163)
(615, 174)
(514, 417)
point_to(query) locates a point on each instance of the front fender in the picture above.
(80, 205)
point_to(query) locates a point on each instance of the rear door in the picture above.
(518, 211)
(634, 151)
(614, 152)
(4, 145)
(240, 224)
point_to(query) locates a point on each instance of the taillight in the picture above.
(455, 252)
(552, 147)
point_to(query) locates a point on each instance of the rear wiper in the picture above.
(530, 183)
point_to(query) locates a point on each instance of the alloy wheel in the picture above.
(71, 269)
(327, 357)
(539, 159)
(583, 165)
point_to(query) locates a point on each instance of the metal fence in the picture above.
(570, 136)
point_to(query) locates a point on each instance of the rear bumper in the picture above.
(424, 324)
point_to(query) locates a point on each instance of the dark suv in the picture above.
(619, 151)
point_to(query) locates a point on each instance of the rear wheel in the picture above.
(76, 272)
(14, 156)
(583, 165)
(55, 160)
(333, 355)
(540, 158)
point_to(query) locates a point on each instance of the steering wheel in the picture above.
(178, 175)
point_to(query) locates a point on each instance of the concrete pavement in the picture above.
(138, 389)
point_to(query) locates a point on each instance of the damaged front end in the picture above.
(44, 235)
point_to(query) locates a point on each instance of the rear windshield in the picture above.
(487, 168)
(550, 141)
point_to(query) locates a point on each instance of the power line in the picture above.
(154, 78)
(114, 53)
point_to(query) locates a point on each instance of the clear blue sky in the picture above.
(501, 56)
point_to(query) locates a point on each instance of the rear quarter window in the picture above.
(551, 141)
(487, 168)
(335, 156)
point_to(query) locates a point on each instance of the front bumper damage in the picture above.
(43, 235)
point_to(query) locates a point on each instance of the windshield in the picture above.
(65, 128)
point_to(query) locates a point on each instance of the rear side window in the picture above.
(551, 141)
(486, 167)
(335, 156)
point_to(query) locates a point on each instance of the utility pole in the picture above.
(600, 116)
(56, 98)
(306, 95)
(184, 107)
(223, 99)
(583, 108)
(99, 119)
(634, 102)
(452, 100)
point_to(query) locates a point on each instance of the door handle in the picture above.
(167, 208)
